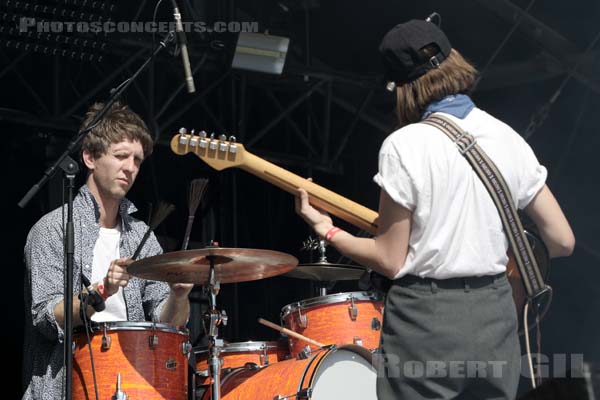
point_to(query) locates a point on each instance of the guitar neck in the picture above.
(349, 211)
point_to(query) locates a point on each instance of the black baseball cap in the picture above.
(401, 50)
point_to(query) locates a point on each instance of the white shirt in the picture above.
(106, 250)
(456, 229)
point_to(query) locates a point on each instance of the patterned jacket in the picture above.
(43, 344)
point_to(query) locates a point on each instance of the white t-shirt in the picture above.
(106, 250)
(456, 229)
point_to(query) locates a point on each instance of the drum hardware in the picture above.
(302, 320)
(171, 364)
(301, 395)
(304, 353)
(186, 349)
(119, 395)
(357, 341)
(153, 338)
(106, 340)
(375, 324)
(352, 309)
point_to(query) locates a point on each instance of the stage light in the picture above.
(260, 52)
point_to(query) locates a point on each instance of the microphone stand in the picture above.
(69, 166)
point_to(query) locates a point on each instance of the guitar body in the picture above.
(514, 275)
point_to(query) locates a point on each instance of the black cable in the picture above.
(88, 328)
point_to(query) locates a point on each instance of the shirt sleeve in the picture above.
(155, 293)
(394, 177)
(532, 178)
(44, 262)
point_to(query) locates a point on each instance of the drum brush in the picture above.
(290, 333)
(195, 194)
(164, 209)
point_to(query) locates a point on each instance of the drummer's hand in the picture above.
(318, 219)
(181, 290)
(117, 275)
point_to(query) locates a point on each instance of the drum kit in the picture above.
(325, 351)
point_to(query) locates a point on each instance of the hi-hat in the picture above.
(325, 271)
(231, 265)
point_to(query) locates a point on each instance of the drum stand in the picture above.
(213, 318)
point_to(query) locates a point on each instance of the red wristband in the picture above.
(331, 233)
(102, 290)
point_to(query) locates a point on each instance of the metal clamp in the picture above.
(106, 340)
(352, 310)
(302, 319)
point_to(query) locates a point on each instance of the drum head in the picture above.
(345, 373)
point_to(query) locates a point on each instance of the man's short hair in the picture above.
(120, 123)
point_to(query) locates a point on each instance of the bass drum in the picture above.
(345, 373)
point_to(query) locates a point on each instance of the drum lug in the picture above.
(186, 349)
(357, 340)
(352, 309)
(375, 324)
(264, 357)
(106, 340)
(302, 320)
(153, 341)
(305, 353)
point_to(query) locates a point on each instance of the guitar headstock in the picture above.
(219, 153)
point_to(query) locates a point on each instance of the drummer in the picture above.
(105, 236)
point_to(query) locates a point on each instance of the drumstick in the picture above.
(290, 333)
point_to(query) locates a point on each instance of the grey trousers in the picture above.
(449, 339)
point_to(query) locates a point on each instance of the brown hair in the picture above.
(455, 75)
(119, 124)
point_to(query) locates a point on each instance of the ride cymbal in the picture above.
(231, 265)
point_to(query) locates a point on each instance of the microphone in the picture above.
(92, 297)
(184, 51)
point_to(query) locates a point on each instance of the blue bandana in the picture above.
(459, 105)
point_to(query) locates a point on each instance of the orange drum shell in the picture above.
(144, 372)
(331, 324)
(266, 383)
(275, 351)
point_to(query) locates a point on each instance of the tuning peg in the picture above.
(222, 144)
(203, 141)
(232, 145)
(183, 139)
(212, 145)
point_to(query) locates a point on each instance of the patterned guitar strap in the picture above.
(496, 186)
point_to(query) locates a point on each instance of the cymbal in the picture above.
(231, 265)
(325, 271)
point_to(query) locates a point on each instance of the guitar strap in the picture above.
(500, 192)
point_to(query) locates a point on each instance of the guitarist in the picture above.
(450, 326)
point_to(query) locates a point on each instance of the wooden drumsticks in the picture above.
(290, 333)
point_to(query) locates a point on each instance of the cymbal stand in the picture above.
(323, 286)
(213, 318)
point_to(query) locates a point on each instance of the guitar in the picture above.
(221, 154)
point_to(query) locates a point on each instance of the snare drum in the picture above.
(342, 318)
(339, 373)
(152, 360)
(236, 355)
